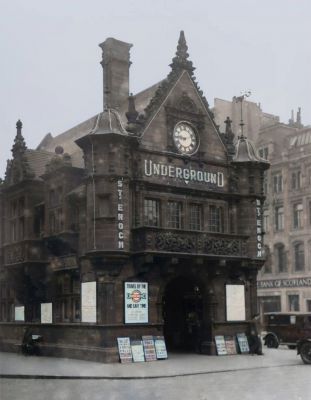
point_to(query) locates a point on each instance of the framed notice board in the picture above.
(243, 342)
(230, 345)
(136, 302)
(137, 351)
(125, 350)
(149, 348)
(221, 345)
(160, 347)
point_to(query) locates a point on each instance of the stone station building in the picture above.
(142, 220)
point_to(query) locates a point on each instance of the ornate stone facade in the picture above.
(147, 193)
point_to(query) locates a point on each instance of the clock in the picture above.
(185, 138)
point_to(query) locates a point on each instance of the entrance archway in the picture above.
(182, 314)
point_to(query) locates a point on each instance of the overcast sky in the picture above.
(50, 76)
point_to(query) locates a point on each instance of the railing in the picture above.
(179, 241)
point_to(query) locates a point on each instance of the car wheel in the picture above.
(271, 342)
(305, 352)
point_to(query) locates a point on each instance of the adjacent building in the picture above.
(142, 220)
(284, 284)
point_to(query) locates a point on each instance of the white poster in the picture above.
(20, 313)
(136, 302)
(235, 302)
(46, 313)
(88, 301)
(137, 351)
(160, 346)
(221, 345)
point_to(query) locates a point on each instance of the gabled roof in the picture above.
(37, 160)
(146, 104)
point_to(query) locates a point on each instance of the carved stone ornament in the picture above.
(226, 247)
(168, 241)
(180, 63)
(174, 243)
(14, 255)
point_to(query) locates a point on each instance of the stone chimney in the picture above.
(116, 65)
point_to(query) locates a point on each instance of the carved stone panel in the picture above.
(148, 239)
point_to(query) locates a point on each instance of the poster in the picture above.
(136, 302)
(149, 348)
(46, 313)
(19, 313)
(137, 351)
(88, 301)
(125, 351)
(230, 345)
(160, 347)
(243, 343)
(221, 345)
(235, 302)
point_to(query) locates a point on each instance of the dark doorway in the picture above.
(182, 314)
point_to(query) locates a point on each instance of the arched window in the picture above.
(299, 256)
(280, 257)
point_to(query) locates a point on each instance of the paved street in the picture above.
(278, 375)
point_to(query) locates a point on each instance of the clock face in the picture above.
(185, 138)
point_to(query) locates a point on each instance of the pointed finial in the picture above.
(240, 99)
(19, 125)
(19, 145)
(131, 114)
(182, 47)
(228, 123)
(180, 61)
(299, 117)
(134, 121)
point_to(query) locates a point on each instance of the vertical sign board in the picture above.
(137, 351)
(159, 344)
(20, 313)
(230, 345)
(136, 302)
(120, 214)
(88, 301)
(243, 342)
(125, 351)
(46, 313)
(235, 302)
(221, 345)
(149, 349)
(259, 228)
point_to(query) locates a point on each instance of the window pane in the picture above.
(270, 303)
(279, 218)
(277, 183)
(216, 219)
(174, 214)
(299, 257)
(151, 212)
(196, 217)
(297, 215)
(266, 221)
(268, 262)
(293, 302)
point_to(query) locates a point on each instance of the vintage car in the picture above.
(304, 349)
(285, 328)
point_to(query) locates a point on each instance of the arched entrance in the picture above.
(182, 314)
